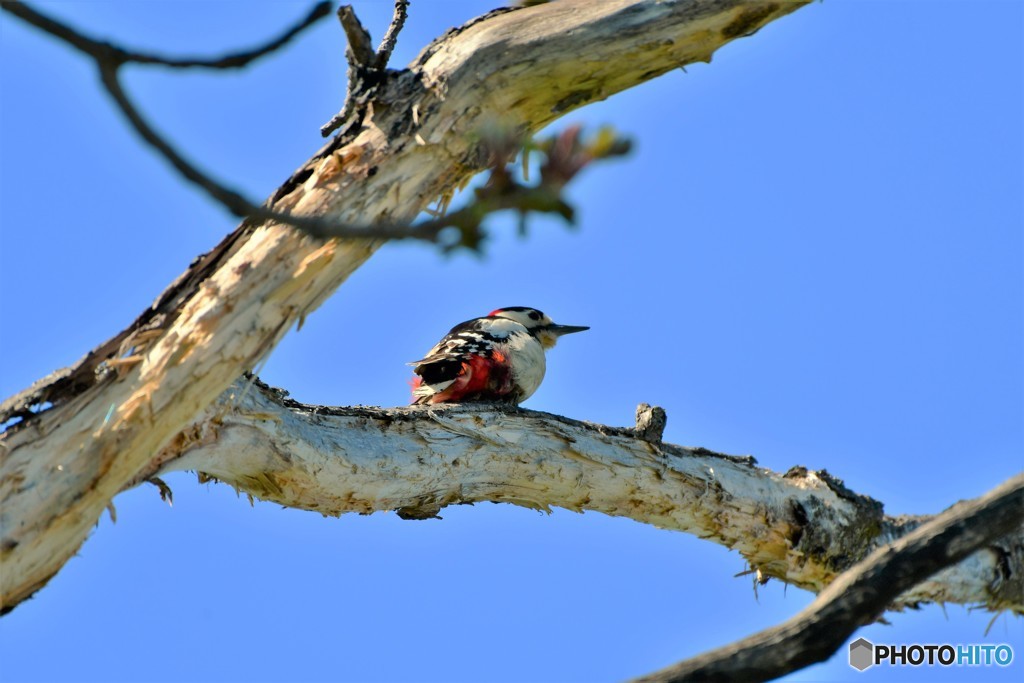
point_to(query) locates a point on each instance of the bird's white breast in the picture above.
(528, 365)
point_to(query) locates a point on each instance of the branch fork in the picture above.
(366, 68)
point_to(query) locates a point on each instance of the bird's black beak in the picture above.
(559, 330)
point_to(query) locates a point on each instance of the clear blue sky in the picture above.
(818, 240)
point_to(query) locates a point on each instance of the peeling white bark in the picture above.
(802, 527)
(60, 468)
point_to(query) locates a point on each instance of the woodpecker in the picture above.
(499, 357)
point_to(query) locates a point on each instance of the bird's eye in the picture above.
(534, 315)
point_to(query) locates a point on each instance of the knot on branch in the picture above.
(650, 422)
(428, 510)
(840, 548)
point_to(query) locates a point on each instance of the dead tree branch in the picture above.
(804, 528)
(860, 595)
(89, 430)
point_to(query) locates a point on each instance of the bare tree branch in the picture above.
(804, 528)
(860, 595)
(112, 55)
(92, 428)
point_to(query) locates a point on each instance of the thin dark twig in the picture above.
(109, 59)
(106, 52)
(544, 198)
(238, 59)
(387, 44)
(59, 30)
(336, 121)
(233, 201)
(861, 594)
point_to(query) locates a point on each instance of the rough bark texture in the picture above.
(802, 527)
(90, 429)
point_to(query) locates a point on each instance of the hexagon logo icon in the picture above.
(862, 654)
